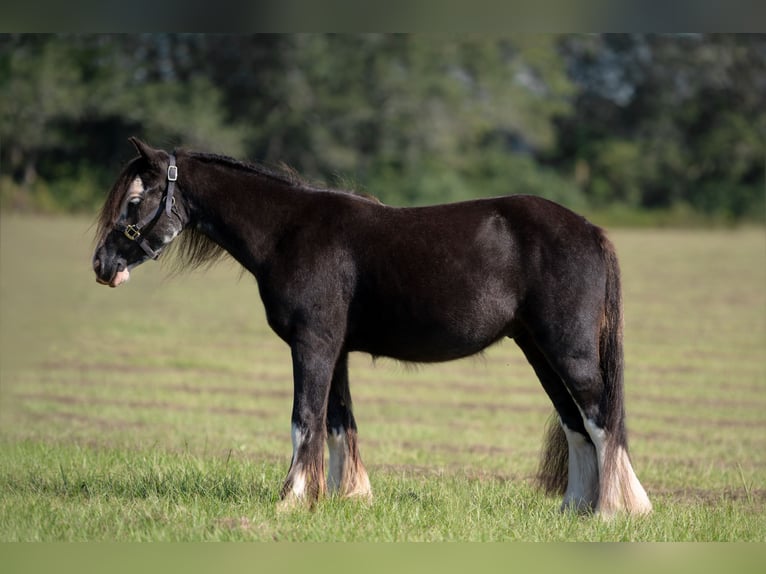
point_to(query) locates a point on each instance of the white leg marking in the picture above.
(598, 436)
(297, 436)
(582, 486)
(621, 489)
(346, 475)
(295, 497)
(299, 476)
(337, 442)
(635, 496)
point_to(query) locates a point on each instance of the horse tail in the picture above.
(619, 487)
(611, 353)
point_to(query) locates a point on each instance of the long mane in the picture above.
(281, 173)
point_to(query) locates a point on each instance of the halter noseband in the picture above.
(133, 232)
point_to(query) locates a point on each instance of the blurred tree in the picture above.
(645, 121)
(406, 114)
(42, 86)
(69, 103)
(668, 119)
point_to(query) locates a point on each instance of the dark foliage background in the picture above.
(660, 127)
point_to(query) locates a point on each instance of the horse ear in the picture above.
(153, 156)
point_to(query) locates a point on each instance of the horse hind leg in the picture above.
(602, 418)
(568, 464)
(347, 475)
(619, 487)
(578, 329)
(583, 485)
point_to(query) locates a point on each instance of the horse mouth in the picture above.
(122, 276)
(119, 278)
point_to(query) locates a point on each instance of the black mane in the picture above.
(283, 173)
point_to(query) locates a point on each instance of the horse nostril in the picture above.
(96, 264)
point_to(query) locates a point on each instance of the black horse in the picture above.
(338, 272)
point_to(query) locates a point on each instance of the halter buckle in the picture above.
(172, 173)
(132, 232)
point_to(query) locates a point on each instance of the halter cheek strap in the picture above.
(133, 232)
(172, 178)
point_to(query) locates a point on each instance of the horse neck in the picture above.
(244, 211)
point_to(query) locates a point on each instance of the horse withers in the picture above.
(338, 272)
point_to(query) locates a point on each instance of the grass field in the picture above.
(161, 410)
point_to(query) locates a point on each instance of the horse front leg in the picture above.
(313, 365)
(346, 475)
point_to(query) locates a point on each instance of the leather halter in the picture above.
(133, 232)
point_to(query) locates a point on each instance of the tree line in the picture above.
(639, 122)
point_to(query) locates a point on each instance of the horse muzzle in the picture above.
(112, 275)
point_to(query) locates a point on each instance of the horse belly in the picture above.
(425, 332)
(445, 286)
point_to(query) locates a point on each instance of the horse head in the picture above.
(141, 216)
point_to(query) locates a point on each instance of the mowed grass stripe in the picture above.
(82, 382)
(655, 408)
(726, 403)
(426, 421)
(451, 445)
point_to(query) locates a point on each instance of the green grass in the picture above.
(80, 494)
(160, 410)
